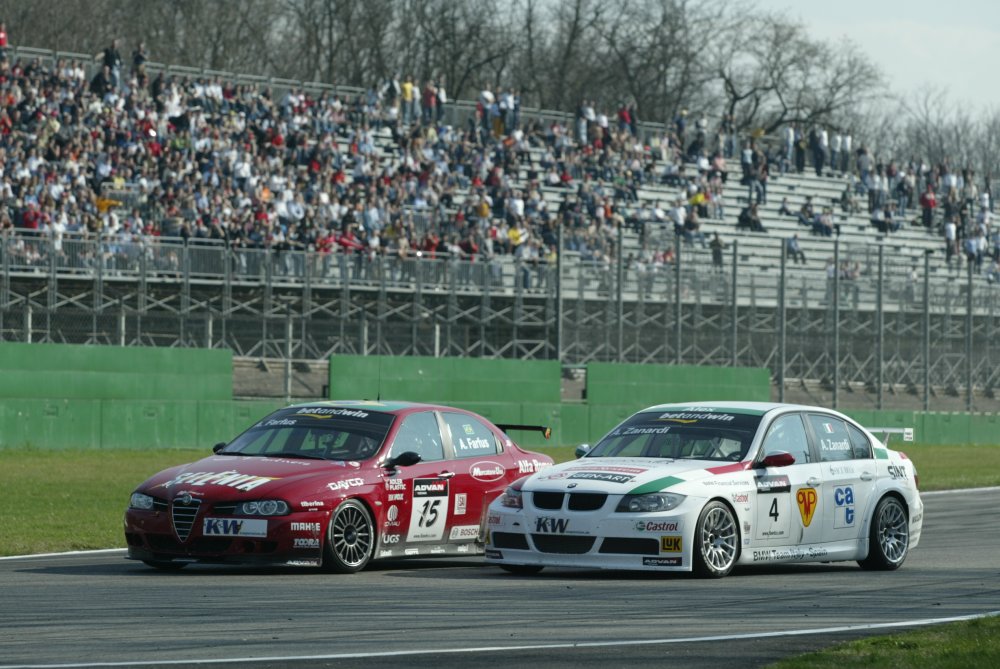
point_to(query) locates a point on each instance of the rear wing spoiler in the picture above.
(907, 432)
(507, 427)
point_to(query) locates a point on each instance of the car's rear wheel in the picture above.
(889, 537)
(521, 569)
(350, 538)
(165, 565)
(716, 541)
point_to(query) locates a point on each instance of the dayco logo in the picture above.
(345, 484)
(487, 471)
(657, 526)
(806, 497)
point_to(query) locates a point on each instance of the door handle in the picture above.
(445, 475)
(865, 476)
(812, 480)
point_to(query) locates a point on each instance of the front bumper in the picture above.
(293, 540)
(654, 542)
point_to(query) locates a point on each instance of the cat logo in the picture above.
(806, 497)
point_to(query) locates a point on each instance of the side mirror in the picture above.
(582, 450)
(778, 459)
(404, 459)
(218, 447)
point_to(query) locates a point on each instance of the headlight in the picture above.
(264, 507)
(655, 501)
(140, 501)
(511, 498)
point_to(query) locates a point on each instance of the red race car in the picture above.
(336, 484)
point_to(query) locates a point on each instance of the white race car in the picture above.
(704, 487)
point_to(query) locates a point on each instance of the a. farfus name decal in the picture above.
(230, 478)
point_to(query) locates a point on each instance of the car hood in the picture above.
(626, 475)
(245, 477)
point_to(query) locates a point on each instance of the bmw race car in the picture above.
(704, 487)
(336, 484)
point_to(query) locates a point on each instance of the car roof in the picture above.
(756, 408)
(386, 406)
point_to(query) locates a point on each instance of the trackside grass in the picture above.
(72, 500)
(964, 645)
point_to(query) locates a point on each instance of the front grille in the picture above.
(547, 500)
(225, 509)
(183, 517)
(586, 501)
(510, 540)
(160, 504)
(167, 544)
(630, 546)
(561, 543)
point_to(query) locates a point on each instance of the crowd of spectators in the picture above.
(122, 154)
(110, 151)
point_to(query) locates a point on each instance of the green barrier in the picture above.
(70, 371)
(444, 380)
(640, 386)
(53, 424)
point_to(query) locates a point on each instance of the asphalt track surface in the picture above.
(97, 609)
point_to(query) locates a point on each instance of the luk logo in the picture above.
(551, 525)
(670, 544)
(843, 498)
(806, 497)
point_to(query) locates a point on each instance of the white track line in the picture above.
(494, 649)
(960, 491)
(41, 555)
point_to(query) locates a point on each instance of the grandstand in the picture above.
(898, 330)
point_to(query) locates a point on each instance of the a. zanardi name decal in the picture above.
(230, 478)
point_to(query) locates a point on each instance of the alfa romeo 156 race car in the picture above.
(705, 487)
(336, 484)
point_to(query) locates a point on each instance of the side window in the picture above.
(788, 434)
(834, 441)
(862, 446)
(419, 433)
(470, 438)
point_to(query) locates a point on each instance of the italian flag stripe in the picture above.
(656, 486)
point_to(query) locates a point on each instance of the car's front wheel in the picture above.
(889, 537)
(716, 541)
(350, 538)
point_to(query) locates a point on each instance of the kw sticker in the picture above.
(806, 497)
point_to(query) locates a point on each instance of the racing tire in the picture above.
(521, 569)
(165, 565)
(889, 536)
(716, 541)
(350, 538)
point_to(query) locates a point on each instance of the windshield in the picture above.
(715, 435)
(316, 433)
